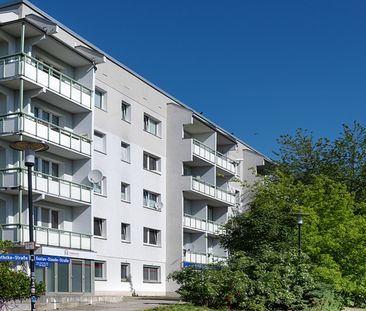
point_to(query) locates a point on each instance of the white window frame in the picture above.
(103, 97)
(103, 228)
(125, 111)
(125, 236)
(148, 236)
(125, 196)
(125, 152)
(148, 122)
(49, 221)
(128, 272)
(103, 138)
(147, 158)
(147, 199)
(51, 114)
(40, 167)
(104, 271)
(100, 188)
(149, 280)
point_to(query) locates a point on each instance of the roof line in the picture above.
(117, 62)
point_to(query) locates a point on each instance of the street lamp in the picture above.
(30, 148)
(299, 216)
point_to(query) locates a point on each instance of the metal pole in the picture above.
(299, 239)
(31, 238)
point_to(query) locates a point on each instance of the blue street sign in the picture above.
(41, 264)
(39, 259)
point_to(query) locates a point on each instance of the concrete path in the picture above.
(130, 304)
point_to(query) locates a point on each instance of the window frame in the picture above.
(103, 228)
(103, 97)
(103, 270)
(126, 114)
(127, 233)
(128, 272)
(150, 157)
(103, 137)
(127, 197)
(148, 240)
(128, 152)
(147, 123)
(102, 185)
(148, 200)
(51, 115)
(149, 280)
(39, 215)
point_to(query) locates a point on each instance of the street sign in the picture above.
(29, 245)
(39, 258)
(14, 257)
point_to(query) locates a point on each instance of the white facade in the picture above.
(168, 172)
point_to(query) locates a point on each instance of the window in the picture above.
(100, 270)
(49, 218)
(151, 200)
(151, 274)
(125, 152)
(99, 142)
(100, 227)
(46, 167)
(47, 116)
(125, 192)
(126, 111)
(125, 232)
(125, 272)
(151, 236)
(151, 125)
(151, 163)
(99, 99)
(101, 187)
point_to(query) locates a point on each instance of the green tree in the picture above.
(14, 285)
(334, 235)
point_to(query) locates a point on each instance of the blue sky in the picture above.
(258, 68)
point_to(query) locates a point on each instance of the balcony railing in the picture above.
(16, 177)
(226, 163)
(46, 236)
(202, 224)
(203, 151)
(212, 191)
(203, 258)
(20, 122)
(207, 153)
(47, 76)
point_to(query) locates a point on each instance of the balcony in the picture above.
(70, 143)
(202, 258)
(212, 191)
(58, 190)
(36, 71)
(201, 224)
(46, 236)
(226, 163)
(201, 150)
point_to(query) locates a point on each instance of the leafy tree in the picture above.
(343, 159)
(14, 285)
(334, 236)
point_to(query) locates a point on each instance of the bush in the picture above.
(271, 281)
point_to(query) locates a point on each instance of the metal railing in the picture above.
(18, 233)
(212, 191)
(203, 151)
(201, 224)
(226, 163)
(36, 70)
(202, 258)
(21, 122)
(16, 177)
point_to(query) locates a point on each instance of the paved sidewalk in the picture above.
(130, 304)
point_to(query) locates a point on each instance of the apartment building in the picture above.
(168, 176)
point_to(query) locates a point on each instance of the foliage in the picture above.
(180, 307)
(14, 285)
(343, 159)
(272, 281)
(333, 234)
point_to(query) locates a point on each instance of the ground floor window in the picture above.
(100, 270)
(125, 272)
(151, 274)
(75, 277)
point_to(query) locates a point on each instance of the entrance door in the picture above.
(77, 276)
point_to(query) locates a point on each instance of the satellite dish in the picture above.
(159, 205)
(95, 176)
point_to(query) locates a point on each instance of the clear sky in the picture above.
(258, 68)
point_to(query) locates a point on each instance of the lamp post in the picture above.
(299, 216)
(30, 148)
